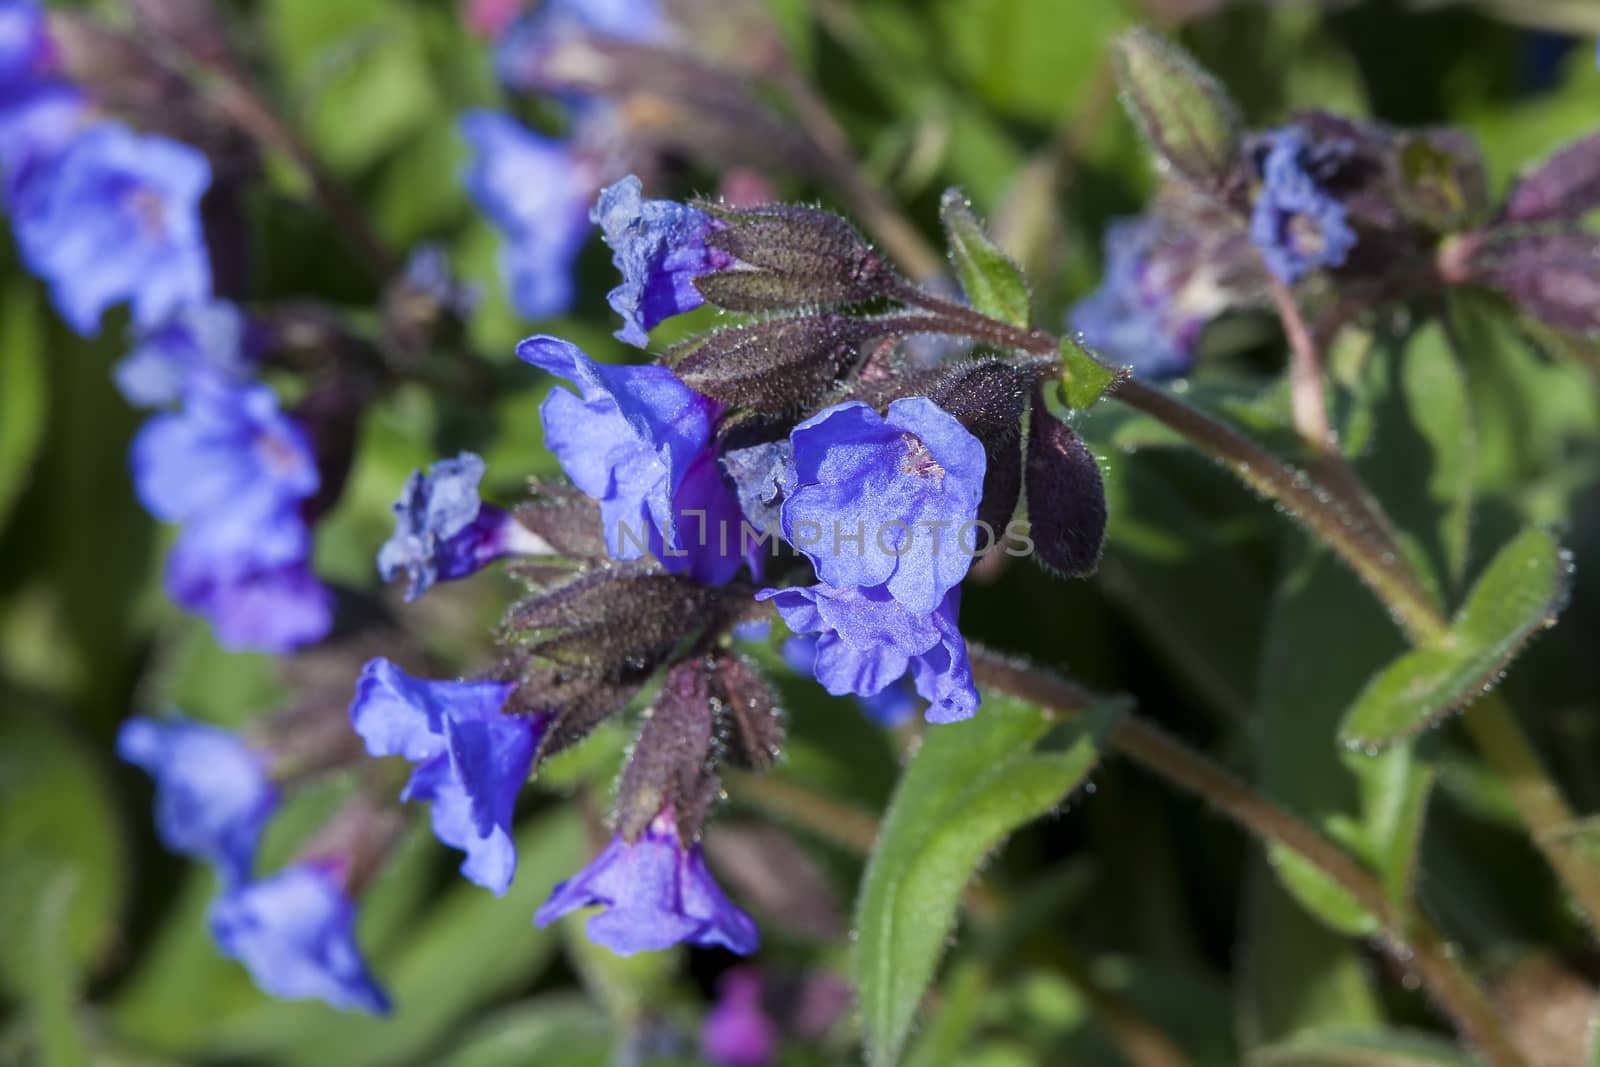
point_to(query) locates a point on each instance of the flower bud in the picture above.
(1065, 494)
(987, 397)
(1565, 186)
(1184, 113)
(791, 256)
(750, 724)
(671, 762)
(776, 365)
(1553, 277)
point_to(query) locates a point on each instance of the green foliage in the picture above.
(1521, 592)
(992, 283)
(970, 785)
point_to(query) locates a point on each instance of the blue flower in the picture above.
(213, 794)
(520, 53)
(253, 600)
(639, 441)
(26, 54)
(1297, 223)
(867, 641)
(201, 340)
(34, 130)
(472, 759)
(536, 191)
(660, 248)
(1138, 316)
(295, 933)
(442, 531)
(891, 706)
(234, 470)
(117, 217)
(887, 500)
(737, 1032)
(657, 893)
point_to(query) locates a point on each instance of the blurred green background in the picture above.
(1208, 608)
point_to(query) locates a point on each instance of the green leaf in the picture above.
(52, 981)
(1084, 379)
(1522, 591)
(969, 786)
(555, 1028)
(1362, 1048)
(1321, 895)
(23, 387)
(961, 1002)
(1015, 55)
(993, 284)
(58, 826)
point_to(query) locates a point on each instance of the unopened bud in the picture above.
(1553, 277)
(1565, 186)
(1184, 113)
(777, 365)
(1065, 494)
(671, 760)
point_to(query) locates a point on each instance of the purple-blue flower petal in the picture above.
(660, 248)
(887, 500)
(657, 892)
(295, 933)
(213, 796)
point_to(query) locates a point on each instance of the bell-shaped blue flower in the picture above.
(213, 793)
(894, 704)
(26, 54)
(295, 933)
(118, 219)
(657, 892)
(472, 758)
(887, 500)
(259, 596)
(1137, 316)
(737, 1031)
(639, 441)
(867, 641)
(660, 248)
(442, 531)
(201, 340)
(234, 470)
(536, 191)
(521, 50)
(1297, 223)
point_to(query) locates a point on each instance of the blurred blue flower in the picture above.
(660, 248)
(201, 340)
(887, 500)
(295, 933)
(213, 793)
(472, 759)
(34, 130)
(442, 531)
(639, 441)
(519, 54)
(26, 54)
(893, 705)
(1138, 317)
(867, 641)
(737, 1031)
(657, 893)
(117, 217)
(536, 190)
(234, 471)
(1297, 223)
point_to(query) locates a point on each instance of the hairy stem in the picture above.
(1306, 396)
(1410, 938)
(1351, 523)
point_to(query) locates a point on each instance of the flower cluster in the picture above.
(294, 929)
(108, 216)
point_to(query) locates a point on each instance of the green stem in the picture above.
(1358, 534)
(1411, 938)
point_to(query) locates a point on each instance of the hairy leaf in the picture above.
(970, 785)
